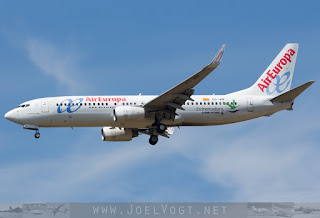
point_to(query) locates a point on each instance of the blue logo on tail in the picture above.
(278, 84)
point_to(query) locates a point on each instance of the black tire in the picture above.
(161, 128)
(37, 135)
(153, 139)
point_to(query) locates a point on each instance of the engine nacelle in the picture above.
(128, 113)
(117, 134)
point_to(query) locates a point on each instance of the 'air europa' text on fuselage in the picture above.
(105, 99)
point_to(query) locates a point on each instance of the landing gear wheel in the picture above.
(37, 135)
(153, 139)
(161, 128)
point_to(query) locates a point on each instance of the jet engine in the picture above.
(118, 134)
(127, 113)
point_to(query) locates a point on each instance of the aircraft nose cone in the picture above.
(10, 116)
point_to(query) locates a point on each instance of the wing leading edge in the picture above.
(175, 97)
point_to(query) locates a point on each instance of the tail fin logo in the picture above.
(271, 75)
(281, 81)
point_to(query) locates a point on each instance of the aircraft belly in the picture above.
(82, 120)
(203, 117)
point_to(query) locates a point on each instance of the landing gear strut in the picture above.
(37, 134)
(33, 127)
(153, 139)
(159, 126)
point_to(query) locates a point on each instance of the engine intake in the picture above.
(128, 113)
(117, 134)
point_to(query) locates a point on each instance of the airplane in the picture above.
(55, 210)
(259, 210)
(307, 210)
(125, 117)
(13, 210)
(283, 213)
(35, 209)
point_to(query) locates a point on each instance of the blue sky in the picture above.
(131, 47)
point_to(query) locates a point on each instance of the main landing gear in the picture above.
(160, 128)
(153, 139)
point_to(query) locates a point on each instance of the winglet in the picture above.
(217, 59)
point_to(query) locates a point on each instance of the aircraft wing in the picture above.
(175, 97)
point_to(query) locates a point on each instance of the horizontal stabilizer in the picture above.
(292, 94)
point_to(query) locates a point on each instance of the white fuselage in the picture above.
(97, 111)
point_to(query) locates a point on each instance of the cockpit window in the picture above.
(24, 105)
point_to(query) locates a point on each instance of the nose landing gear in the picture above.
(33, 127)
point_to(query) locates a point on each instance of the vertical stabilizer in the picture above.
(277, 78)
